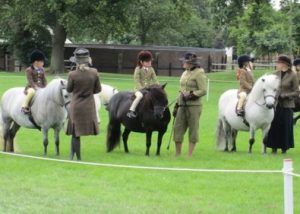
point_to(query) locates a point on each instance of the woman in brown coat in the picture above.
(281, 134)
(83, 83)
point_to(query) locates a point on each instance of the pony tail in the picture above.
(113, 135)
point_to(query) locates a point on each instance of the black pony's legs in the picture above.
(75, 148)
(125, 138)
(159, 140)
(148, 141)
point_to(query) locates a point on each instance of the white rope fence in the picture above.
(287, 173)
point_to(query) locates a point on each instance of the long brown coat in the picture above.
(82, 115)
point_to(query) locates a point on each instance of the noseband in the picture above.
(265, 97)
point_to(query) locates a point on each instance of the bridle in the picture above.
(64, 104)
(265, 97)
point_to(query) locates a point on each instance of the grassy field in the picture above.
(38, 186)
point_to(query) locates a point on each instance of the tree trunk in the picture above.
(57, 53)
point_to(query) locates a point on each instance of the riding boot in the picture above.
(75, 148)
(72, 152)
(178, 146)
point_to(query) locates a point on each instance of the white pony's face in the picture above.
(270, 90)
(66, 96)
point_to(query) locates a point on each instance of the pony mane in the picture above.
(265, 80)
(155, 92)
(51, 91)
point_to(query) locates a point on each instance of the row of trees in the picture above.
(252, 26)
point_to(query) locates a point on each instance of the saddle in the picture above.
(27, 111)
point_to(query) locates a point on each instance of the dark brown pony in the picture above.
(153, 114)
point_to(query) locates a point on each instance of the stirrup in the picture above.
(131, 114)
(25, 110)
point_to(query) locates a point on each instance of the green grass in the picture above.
(36, 186)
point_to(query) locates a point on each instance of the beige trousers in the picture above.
(242, 98)
(30, 94)
(138, 97)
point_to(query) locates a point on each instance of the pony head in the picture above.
(65, 95)
(158, 98)
(270, 88)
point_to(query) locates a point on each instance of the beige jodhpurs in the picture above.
(138, 97)
(29, 95)
(242, 98)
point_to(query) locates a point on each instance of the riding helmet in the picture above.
(243, 59)
(145, 56)
(296, 62)
(37, 55)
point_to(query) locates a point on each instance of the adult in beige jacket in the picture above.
(189, 106)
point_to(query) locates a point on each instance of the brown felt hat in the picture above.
(284, 59)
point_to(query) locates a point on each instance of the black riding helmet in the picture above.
(243, 59)
(296, 62)
(37, 55)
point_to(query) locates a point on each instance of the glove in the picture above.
(283, 96)
(174, 113)
(190, 96)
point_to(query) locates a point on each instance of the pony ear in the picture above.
(263, 79)
(62, 83)
(164, 85)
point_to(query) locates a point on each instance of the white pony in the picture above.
(104, 97)
(259, 113)
(48, 111)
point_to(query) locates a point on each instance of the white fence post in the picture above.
(207, 89)
(288, 186)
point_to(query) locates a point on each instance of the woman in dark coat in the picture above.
(281, 134)
(83, 83)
